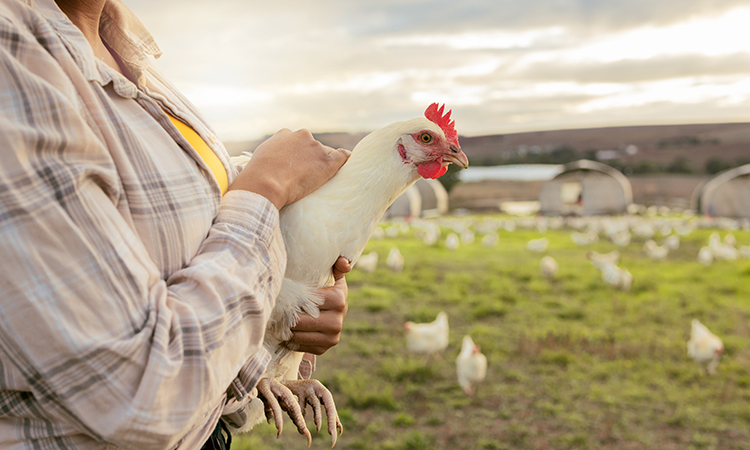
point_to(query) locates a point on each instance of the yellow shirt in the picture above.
(208, 155)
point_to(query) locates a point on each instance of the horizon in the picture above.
(551, 130)
(503, 68)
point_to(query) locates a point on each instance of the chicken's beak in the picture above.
(457, 156)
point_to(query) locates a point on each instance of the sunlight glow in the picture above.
(480, 40)
(681, 91)
(706, 36)
(211, 95)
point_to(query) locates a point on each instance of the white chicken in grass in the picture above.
(583, 239)
(617, 277)
(367, 263)
(428, 338)
(395, 260)
(468, 237)
(490, 240)
(704, 347)
(599, 260)
(548, 266)
(655, 252)
(672, 242)
(705, 256)
(452, 242)
(337, 220)
(471, 366)
(537, 245)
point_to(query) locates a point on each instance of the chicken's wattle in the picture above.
(432, 169)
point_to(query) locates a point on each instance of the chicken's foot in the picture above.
(275, 397)
(280, 395)
(313, 392)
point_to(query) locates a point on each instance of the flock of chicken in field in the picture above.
(704, 347)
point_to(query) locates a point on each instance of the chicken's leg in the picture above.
(313, 392)
(280, 395)
(275, 397)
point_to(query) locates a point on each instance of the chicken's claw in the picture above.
(276, 396)
(314, 393)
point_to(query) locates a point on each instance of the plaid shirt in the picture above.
(133, 297)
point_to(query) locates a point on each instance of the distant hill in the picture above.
(637, 149)
(658, 144)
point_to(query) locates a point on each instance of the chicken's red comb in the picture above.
(434, 113)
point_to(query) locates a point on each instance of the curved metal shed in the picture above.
(725, 195)
(586, 188)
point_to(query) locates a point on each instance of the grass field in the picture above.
(573, 363)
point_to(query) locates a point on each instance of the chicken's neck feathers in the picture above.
(338, 218)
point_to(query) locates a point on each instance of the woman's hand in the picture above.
(288, 166)
(317, 335)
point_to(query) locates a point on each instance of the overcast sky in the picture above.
(502, 65)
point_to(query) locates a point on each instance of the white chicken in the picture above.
(430, 234)
(617, 277)
(723, 250)
(548, 267)
(367, 263)
(452, 242)
(468, 237)
(621, 239)
(672, 242)
(599, 260)
(471, 366)
(705, 256)
(490, 240)
(537, 245)
(583, 239)
(338, 220)
(428, 338)
(655, 252)
(395, 260)
(704, 347)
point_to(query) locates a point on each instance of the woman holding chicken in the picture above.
(139, 265)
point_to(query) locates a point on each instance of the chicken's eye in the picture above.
(426, 138)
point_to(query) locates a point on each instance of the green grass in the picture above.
(573, 364)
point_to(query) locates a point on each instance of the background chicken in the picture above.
(395, 260)
(655, 252)
(471, 366)
(338, 220)
(537, 245)
(548, 267)
(367, 263)
(705, 256)
(452, 242)
(428, 338)
(599, 260)
(704, 347)
(617, 277)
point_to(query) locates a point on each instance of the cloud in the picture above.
(329, 65)
(630, 70)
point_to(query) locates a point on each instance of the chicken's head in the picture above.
(433, 145)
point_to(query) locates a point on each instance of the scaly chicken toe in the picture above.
(314, 393)
(277, 397)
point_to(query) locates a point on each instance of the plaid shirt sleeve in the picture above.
(131, 294)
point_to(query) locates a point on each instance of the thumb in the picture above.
(338, 157)
(341, 267)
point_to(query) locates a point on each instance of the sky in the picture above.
(502, 66)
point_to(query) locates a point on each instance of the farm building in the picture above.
(586, 188)
(425, 198)
(725, 195)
